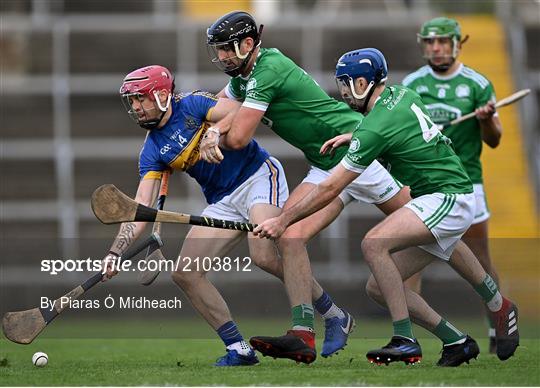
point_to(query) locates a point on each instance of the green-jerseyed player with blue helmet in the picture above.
(449, 89)
(274, 90)
(398, 129)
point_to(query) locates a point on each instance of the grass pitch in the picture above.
(188, 361)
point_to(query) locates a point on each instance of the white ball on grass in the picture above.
(40, 359)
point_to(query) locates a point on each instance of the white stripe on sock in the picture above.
(512, 329)
(333, 311)
(495, 303)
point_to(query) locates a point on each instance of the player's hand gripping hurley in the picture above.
(499, 104)
(111, 206)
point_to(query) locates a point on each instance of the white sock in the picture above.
(491, 332)
(495, 303)
(334, 311)
(305, 328)
(241, 347)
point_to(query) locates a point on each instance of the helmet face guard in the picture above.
(223, 40)
(440, 28)
(145, 117)
(140, 95)
(449, 59)
(345, 85)
(231, 61)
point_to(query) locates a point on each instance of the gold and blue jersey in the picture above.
(176, 146)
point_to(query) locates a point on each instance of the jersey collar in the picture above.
(446, 77)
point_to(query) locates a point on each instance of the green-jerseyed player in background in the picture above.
(449, 89)
(397, 129)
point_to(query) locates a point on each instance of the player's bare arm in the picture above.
(319, 197)
(130, 231)
(222, 115)
(243, 128)
(490, 124)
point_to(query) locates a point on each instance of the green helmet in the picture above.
(440, 27)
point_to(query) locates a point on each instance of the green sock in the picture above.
(302, 315)
(487, 289)
(447, 333)
(403, 328)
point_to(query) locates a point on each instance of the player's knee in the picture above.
(372, 247)
(185, 278)
(270, 264)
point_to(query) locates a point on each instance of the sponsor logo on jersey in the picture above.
(463, 91)
(441, 113)
(422, 89)
(392, 104)
(355, 158)
(355, 145)
(252, 84)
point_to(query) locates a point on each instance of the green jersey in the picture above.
(450, 97)
(398, 130)
(295, 106)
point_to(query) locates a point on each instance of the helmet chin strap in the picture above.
(246, 57)
(153, 124)
(364, 96)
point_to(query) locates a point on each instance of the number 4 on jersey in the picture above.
(429, 128)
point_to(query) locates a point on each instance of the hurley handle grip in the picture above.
(223, 224)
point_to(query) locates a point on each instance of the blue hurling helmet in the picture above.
(368, 63)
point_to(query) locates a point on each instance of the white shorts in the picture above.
(375, 185)
(482, 210)
(447, 216)
(267, 185)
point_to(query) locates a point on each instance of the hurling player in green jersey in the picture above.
(449, 89)
(274, 90)
(398, 130)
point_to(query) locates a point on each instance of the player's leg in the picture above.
(190, 276)
(299, 343)
(389, 206)
(448, 227)
(504, 312)
(457, 347)
(338, 323)
(375, 186)
(476, 239)
(400, 230)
